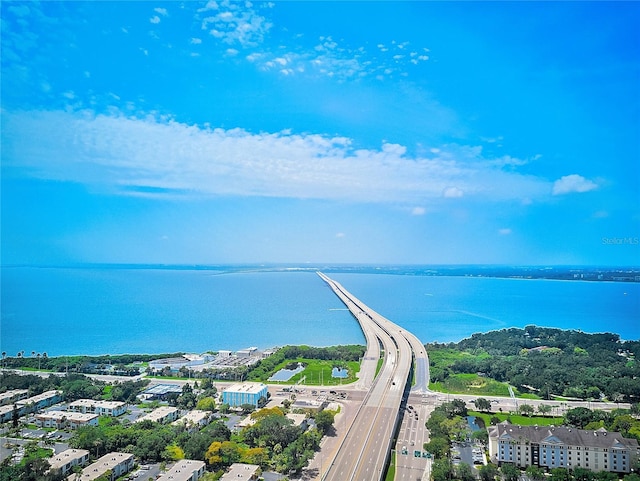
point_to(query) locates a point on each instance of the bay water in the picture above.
(103, 310)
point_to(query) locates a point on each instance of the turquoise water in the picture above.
(106, 310)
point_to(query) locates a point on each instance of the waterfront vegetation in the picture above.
(539, 362)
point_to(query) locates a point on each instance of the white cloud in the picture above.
(573, 183)
(504, 231)
(340, 235)
(235, 23)
(196, 41)
(452, 193)
(161, 11)
(152, 155)
(155, 19)
(418, 211)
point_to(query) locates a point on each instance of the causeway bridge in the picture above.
(365, 449)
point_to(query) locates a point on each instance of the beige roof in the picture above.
(61, 459)
(240, 472)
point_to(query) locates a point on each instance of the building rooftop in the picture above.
(61, 459)
(562, 435)
(194, 416)
(12, 393)
(40, 397)
(241, 472)
(71, 416)
(101, 466)
(93, 402)
(250, 387)
(183, 470)
(158, 414)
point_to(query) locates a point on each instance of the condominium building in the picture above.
(101, 408)
(244, 393)
(562, 447)
(46, 399)
(163, 414)
(113, 464)
(66, 460)
(29, 405)
(64, 419)
(194, 419)
(241, 472)
(184, 470)
(10, 397)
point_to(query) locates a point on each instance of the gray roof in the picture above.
(563, 435)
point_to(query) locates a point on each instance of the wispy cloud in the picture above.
(158, 155)
(240, 24)
(573, 183)
(234, 23)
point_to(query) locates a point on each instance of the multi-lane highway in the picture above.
(365, 449)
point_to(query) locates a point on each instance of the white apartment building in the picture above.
(163, 414)
(184, 470)
(66, 460)
(194, 419)
(117, 463)
(562, 447)
(64, 420)
(101, 408)
(10, 397)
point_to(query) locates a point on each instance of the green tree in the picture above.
(324, 420)
(510, 472)
(544, 409)
(206, 404)
(488, 472)
(442, 470)
(482, 404)
(438, 446)
(535, 472)
(464, 472)
(560, 474)
(526, 409)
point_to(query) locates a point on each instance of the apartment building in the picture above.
(184, 470)
(244, 393)
(113, 464)
(66, 460)
(101, 408)
(163, 414)
(562, 447)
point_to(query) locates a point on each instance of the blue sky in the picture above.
(346, 132)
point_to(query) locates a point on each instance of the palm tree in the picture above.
(4, 356)
(38, 356)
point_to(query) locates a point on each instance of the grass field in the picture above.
(517, 419)
(317, 372)
(471, 384)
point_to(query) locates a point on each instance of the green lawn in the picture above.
(471, 384)
(517, 419)
(318, 372)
